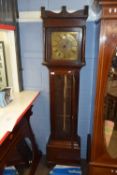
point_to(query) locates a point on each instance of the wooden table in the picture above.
(19, 110)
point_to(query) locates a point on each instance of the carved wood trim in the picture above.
(64, 13)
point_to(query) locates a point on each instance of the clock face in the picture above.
(64, 45)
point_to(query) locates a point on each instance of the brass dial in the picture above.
(64, 45)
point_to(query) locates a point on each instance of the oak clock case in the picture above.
(64, 37)
(103, 160)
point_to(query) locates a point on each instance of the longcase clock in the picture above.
(64, 43)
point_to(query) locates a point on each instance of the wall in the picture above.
(96, 38)
(34, 5)
(87, 85)
(35, 75)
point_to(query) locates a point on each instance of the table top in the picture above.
(15, 110)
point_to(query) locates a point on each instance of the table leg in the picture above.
(36, 152)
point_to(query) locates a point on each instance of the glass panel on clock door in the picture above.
(63, 100)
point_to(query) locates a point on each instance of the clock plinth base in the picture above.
(63, 152)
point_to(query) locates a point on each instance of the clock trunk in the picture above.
(64, 144)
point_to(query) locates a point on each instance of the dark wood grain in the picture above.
(10, 146)
(100, 162)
